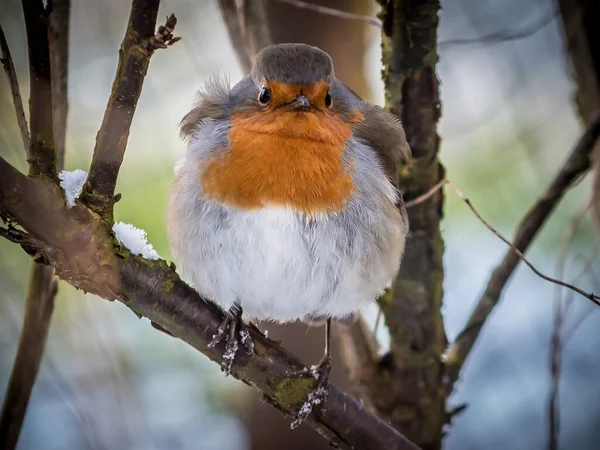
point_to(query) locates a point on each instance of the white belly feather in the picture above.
(273, 262)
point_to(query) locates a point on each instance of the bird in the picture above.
(285, 205)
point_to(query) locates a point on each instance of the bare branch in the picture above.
(43, 287)
(591, 296)
(577, 164)
(248, 28)
(254, 24)
(427, 195)
(58, 37)
(557, 341)
(229, 12)
(138, 46)
(42, 158)
(333, 12)
(9, 67)
(80, 246)
(38, 311)
(408, 391)
(498, 37)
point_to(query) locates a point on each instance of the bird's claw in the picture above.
(316, 399)
(237, 334)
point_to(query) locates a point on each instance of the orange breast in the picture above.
(282, 158)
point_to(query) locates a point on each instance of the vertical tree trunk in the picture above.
(581, 29)
(409, 389)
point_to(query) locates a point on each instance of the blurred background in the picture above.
(110, 381)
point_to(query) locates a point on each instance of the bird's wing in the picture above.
(211, 102)
(382, 131)
(384, 134)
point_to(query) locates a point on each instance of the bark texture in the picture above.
(409, 390)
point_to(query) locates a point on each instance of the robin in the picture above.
(284, 206)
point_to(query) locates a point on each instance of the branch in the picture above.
(58, 37)
(254, 25)
(589, 295)
(138, 46)
(229, 13)
(38, 312)
(248, 28)
(408, 384)
(80, 246)
(43, 287)
(577, 164)
(499, 37)
(9, 67)
(333, 12)
(42, 159)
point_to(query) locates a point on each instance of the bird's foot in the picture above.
(236, 332)
(316, 399)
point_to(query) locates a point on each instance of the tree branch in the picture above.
(248, 28)
(409, 385)
(43, 287)
(9, 67)
(58, 40)
(230, 15)
(589, 295)
(38, 312)
(254, 25)
(79, 244)
(42, 158)
(138, 46)
(577, 163)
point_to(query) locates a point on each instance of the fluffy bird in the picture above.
(284, 206)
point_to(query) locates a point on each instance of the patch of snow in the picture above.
(72, 183)
(135, 240)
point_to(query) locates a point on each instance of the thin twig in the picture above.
(556, 339)
(333, 12)
(42, 158)
(576, 165)
(498, 37)
(589, 295)
(38, 311)
(138, 46)
(426, 195)
(9, 67)
(587, 269)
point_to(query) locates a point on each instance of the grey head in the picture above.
(293, 64)
(301, 65)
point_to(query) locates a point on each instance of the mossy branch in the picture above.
(410, 393)
(79, 244)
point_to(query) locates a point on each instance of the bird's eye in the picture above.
(328, 100)
(264, 97)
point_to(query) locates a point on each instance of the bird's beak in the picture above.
(300, 103)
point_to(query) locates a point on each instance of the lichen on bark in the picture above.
(409, 390)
